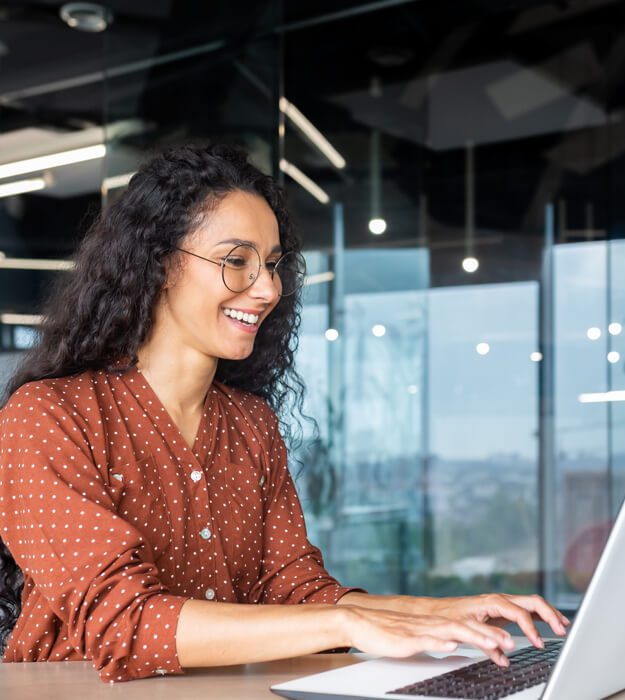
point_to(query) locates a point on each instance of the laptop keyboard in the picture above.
(487, 681)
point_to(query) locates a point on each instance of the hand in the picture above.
(500, 609)
(399, 634)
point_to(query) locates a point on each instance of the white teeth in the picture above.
(241, 316)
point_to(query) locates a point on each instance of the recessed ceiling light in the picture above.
(86, 16)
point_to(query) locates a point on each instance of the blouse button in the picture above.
(196, 476)
(210, 594)
(205, 534)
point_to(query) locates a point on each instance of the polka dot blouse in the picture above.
(116, 521)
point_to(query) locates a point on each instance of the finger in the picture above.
(462, 632)
(523, 619)
(503, 637)
(499, 658)
(539, 606)
(428, 642)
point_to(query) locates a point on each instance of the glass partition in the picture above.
(480, 200)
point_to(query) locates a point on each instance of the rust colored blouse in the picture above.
(116, 522)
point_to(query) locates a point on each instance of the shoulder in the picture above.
(62, 394)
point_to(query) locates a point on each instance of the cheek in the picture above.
(203, 292)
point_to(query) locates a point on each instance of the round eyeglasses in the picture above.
(241, 266)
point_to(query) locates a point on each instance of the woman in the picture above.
(144, 489)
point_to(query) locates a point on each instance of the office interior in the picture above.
(457, 173)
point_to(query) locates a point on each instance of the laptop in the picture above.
(587, 665)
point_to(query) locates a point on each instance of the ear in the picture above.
(172, 264)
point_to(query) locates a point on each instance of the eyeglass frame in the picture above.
(222, 264)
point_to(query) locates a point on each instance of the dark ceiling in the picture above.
(535, 88)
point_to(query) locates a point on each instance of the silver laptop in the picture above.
(588, 665)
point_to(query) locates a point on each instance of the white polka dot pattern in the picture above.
(116, 521)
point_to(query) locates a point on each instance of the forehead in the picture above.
(241, 215)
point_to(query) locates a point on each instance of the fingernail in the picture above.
(540, 643)
(509, 643)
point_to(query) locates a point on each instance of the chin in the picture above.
(241, 354)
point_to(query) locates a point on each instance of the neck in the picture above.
(179, 376)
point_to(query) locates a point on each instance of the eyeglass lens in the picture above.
(241, 267)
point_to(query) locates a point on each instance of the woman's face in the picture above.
(195, 299)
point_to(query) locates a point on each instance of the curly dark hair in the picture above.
(103, 310)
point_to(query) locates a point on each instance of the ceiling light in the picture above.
(21, 319)
(319, 278)
(377, 226)
(114, 181)
(482, 348)
(53, 160)
(86, 16)
(312, 133)
(378, 330)
(331, 334)
(602, 396)
(614, 357)
(304, 181)
(34, 263)
(593, 333)
(615, 328)
(22, 186)
(470, 264)
(536, 356)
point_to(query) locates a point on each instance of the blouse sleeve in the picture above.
(293, 570)
(93, 568)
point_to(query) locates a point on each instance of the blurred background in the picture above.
(457, 170)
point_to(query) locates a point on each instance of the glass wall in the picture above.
(463, 335)
(472, 441)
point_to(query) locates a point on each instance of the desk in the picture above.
(76, 680)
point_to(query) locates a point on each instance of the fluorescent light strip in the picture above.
(115, 181)
(21, 319)
(312, 133)
(319, 278)
(304, 181)
(22, 186)
(53, 160)
(34, 264)
(602, 397)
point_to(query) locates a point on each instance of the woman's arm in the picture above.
(400, 603)
(218, 634)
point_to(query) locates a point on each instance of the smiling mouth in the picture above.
(249, 319)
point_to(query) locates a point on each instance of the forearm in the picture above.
(221, 634)
(399, 603)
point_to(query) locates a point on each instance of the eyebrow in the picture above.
(241, 241)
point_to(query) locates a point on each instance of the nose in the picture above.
(264, 287)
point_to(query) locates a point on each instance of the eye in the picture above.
(271, 265)
(234, 261)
